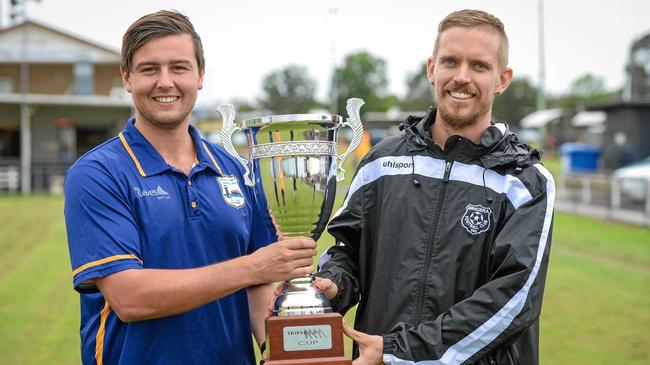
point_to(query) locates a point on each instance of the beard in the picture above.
(460, 121)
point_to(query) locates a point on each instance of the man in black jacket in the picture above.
(444, 236)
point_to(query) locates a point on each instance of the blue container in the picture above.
(578, 157)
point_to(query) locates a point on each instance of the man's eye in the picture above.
(449, 62)
(481, 66)
(147, 70)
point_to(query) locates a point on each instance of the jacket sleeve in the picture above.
(340, 262)
(501, 309)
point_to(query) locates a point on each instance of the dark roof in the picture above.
(619, 104)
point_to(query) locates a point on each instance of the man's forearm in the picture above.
(137, 295)
(258, 298)
(153, 293)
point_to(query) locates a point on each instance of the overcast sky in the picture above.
(246, 39)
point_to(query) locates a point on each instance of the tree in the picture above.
(419, 93)
(638, 69)
(242, 105)
(289, 90)
(362, 76)
(516, 102)
(586, 89)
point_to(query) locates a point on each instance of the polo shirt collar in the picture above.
(149, 162)
(204, 156)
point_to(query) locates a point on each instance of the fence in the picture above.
(47, 177)
(606, 197)
(601, 196)
(9, 179)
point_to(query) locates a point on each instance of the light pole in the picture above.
(541, 98)
(17, 12)
(333, 11)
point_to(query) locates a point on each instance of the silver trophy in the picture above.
(295, 159)
(300, 297)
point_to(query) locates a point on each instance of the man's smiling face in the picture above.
(164, 81)
(467, 74)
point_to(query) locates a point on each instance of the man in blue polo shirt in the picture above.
(171, 252)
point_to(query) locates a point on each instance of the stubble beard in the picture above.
(457, 121)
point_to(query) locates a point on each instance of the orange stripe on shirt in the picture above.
(103, 261)
(99, 339)
(212, 158)
(130, 152)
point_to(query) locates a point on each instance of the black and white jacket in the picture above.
(446, 251)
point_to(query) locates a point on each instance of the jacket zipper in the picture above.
(430, 244)
(492, 362)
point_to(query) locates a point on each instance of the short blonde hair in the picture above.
(475, 18)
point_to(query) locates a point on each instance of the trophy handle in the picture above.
(354, 122)
(228, 127)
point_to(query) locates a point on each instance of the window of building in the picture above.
(84, 78)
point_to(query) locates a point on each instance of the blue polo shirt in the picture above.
(126, 208)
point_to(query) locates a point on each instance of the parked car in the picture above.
(634, 179)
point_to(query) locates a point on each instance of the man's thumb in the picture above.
(350, 332)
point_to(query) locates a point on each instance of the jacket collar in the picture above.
(149, 162)
(497, 145)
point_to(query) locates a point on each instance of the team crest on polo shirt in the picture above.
(231, 192)
(476, 219)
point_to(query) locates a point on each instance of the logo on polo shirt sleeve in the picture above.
(476, 219)
(231, 192)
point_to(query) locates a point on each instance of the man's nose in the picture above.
(166, 80)
(462, 75)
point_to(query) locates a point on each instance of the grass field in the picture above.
(596, 307)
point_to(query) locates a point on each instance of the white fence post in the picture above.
(615, 193)
(9, 178)
(647, 199)
(586, 189)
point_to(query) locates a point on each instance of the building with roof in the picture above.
(627, 132)
(60, 96)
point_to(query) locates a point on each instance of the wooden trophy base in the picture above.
(306, 339)
(341, 360)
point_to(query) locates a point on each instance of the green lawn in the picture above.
(596, 307)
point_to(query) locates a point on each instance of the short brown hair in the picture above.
(155, 25)
(475, 18)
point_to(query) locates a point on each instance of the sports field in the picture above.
(596, 305)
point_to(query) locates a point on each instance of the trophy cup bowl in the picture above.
(295, 159)
(300, 297)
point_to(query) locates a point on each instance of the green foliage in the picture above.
(243, 106)
(516, 102)
(638, 68)
(594, 309)
(586, 89)
(288, 90)
(362, 75)
(419, 92)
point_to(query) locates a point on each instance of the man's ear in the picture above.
(126, 79)
(431, 64)
(201, 74)
(504, 81)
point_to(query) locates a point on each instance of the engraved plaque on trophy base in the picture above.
(306, 339)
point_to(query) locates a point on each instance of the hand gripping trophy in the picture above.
(295, 158)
